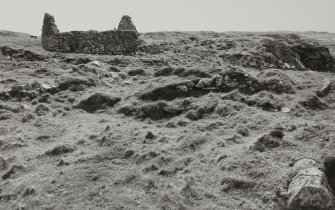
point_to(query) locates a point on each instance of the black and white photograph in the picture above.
(167, 105)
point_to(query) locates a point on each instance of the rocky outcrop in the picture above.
(90, 42)
(67, 82)
(300, 55)
(329, 169)
(268, 141)
(315, 57)
(22, 54)
(312, 102)
(282, 51)
(227, 81)
(182, 72)
(324, 89)
(309, 190)
(126, 24)
(156, 111)
(283, 54)
(174, 90)
(96, 102)
(251, 60)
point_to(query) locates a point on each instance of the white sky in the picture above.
(171, 15)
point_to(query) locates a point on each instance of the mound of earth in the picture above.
(284, 52)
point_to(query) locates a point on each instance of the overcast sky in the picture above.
(171, 15)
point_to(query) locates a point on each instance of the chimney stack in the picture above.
(49, 26)
(126, 24)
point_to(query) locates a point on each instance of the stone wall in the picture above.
(126, 24)
(112, 42)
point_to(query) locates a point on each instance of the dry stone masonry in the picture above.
(126, 24)
(114, 42)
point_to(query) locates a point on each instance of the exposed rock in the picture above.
(250, 60)
(236, 138)
(325, 88)
(329, 169)
(172, 91)
(313, 103)
(223, 110)
(114, 69)
(277, 133)
(59, 150)
(134, 72)
(315, 57)
(283, 53)
(192, 72)
(96, 102)
(39, 87)
(287, 66)
(182, 72)
(266, 141)
(309, 190)
(29, 191)
(22, 54)
(285, 110)
(300, 54)
(128, 154)
(242, 130)
(149, 135)
(156, 111)
(146, 157)
(45, 98)
(82, 61)
(200, 112)
(268, 73)
(42, 109)
(96, 63)
(264, 100)
(95, 69)
(18, 94)
(73, 83)
(237, 79)
(166, 71)
(194, 114)
(304, 163)
(227, 81)
(277, 82)
(126, 24)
